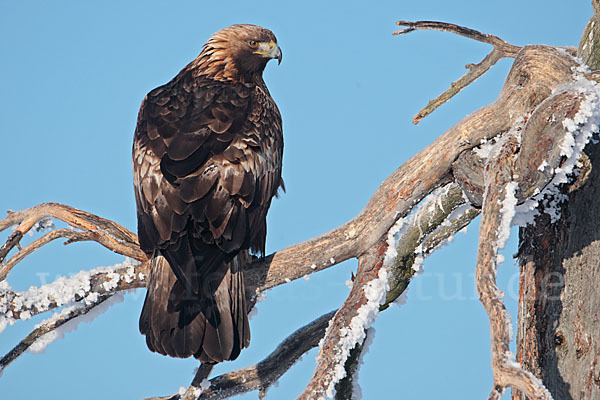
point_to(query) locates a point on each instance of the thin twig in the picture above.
(72, 236)
(475, 71)
(109, 234)
(501, 50)
(12, 241)
(48, 327)
(506, 48)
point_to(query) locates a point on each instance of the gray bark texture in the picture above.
(559, 306)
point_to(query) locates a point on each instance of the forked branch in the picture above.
(501, 50)
(91, 227)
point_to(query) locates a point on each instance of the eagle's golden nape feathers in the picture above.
(237, 52)
(207, 156)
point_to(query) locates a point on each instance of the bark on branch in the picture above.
(558, 325)
(499, 202)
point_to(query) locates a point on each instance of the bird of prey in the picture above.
(207, 156)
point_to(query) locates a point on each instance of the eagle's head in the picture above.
(238, 52)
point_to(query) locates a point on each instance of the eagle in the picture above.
(207, 156)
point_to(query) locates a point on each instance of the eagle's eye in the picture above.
(253, 44)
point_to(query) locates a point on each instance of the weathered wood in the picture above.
(500, 172)
(501, 50)
(536, 72)
(590, 39)
(541, 141)
(559, 302)
(559, 318)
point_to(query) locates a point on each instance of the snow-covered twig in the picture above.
(53, 327)
(84, 286)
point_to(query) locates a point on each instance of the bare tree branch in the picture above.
(501, 50)
(347, 326)
(506, 48)
(72, 236)
(109, 234)
(474, 73)
(535, 74)
(345, 388)
(431, 225)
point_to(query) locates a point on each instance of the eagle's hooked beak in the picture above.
(270, 50)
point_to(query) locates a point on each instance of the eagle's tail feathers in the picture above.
(212, 325)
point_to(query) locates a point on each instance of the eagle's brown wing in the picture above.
(207, 161)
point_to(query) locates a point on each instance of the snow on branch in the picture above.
(347, 328)
(85, 286)
(435, 221)
(441, 215)
(57, 325)
(526, 167)
(545, 67)
(498, 210)
(545, 168)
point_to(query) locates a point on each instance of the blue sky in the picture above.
(73, 75)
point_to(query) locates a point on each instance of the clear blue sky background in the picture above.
(73, 74)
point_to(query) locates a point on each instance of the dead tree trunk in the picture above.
(559, 307)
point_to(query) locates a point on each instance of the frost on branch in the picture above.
(82, 298)
(84, 287)
(511, 173)
(561, 167)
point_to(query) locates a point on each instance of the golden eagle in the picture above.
(207, 155)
